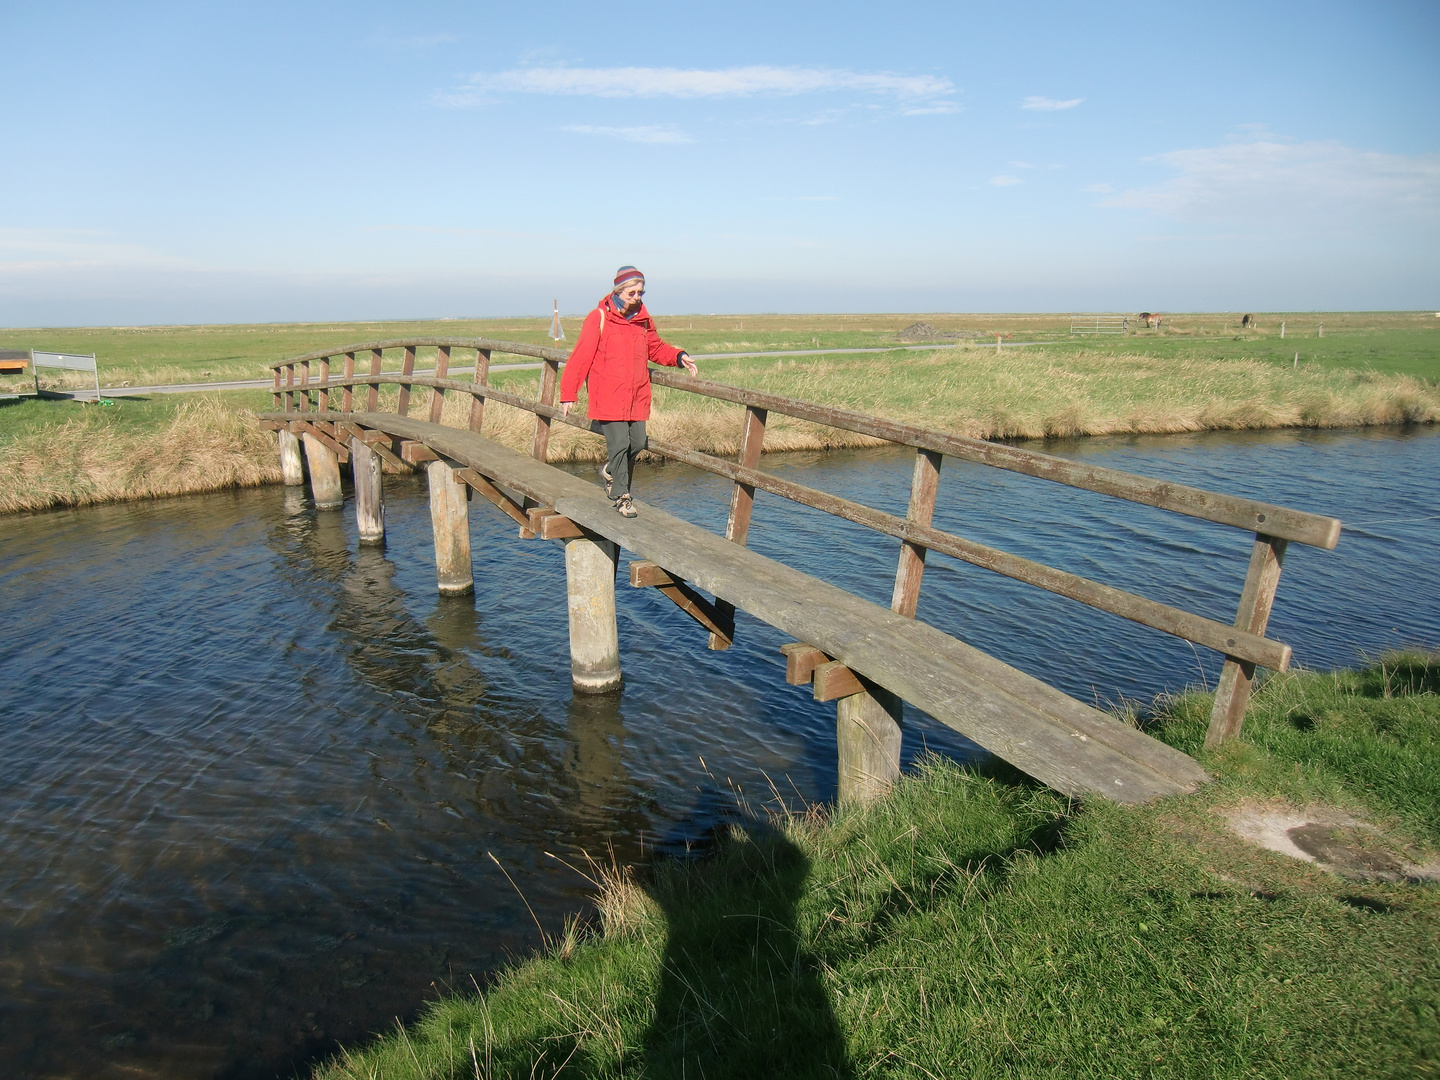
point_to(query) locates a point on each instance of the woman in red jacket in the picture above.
(612, 359)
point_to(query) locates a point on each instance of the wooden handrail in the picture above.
(1244, 645)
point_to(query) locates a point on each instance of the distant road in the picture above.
(268, 384)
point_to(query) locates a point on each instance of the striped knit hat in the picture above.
(627, 273)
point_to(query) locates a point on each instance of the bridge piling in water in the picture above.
(291, 469)
(867, 737)
(369, 492)
(450, 520)
(590, 597)
(324, 473)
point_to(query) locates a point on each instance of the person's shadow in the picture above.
(740, 994)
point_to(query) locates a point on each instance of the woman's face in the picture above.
(630, 295)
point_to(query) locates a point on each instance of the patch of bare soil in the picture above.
(1331, 839)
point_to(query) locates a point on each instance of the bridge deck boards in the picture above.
(1040, 730)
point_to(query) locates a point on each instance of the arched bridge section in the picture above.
(865, 656)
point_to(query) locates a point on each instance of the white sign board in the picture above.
(70, 361)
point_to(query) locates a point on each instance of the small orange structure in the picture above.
(14, 361)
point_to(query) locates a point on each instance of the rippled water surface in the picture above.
(254, 776)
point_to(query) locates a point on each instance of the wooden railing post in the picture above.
(347, 398)
(742, 501)
(1256, 599)
(305, 383)
(437, 395)
(407, 368)
(923, 486)
(482, 378)
(324, 392)
(289, 387)
(278, 393)
(540, 445)
(372, 399)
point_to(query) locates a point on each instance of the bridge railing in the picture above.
(1243, 643)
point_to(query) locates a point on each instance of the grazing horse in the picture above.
(1246, 321)
(1151, 319)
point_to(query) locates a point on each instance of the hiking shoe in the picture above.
(624, 506)
(609, 481)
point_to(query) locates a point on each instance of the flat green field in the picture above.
(1384, 342)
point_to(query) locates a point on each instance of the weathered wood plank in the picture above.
(834, 680)
(923, 487)
(413, 452)
(801, 660)
(494, 495)
(720, 622)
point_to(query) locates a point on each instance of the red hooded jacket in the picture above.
(611, 358)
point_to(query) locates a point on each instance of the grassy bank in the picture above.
(1185, 380)
(975, 925)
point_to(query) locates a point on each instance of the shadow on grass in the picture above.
(740, 994)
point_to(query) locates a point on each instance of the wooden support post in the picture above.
(590, 597)
(324, 473)
(482, 378)
(450, 520)
(925, 483)
(347, 397)
(1236, 677)
(372, 399)
(407, 368)
(290, 467)
(540, 445)
(867, 731)
(742, 502)
(369, 492)
(437, 396)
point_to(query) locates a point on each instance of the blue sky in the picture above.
(207, 162)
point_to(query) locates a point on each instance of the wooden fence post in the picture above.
(1236, 677)
(290, 467)
(324, 394)
(407, 368)
(369, 492)
(347, 397)
(924, 484)
(437, 395)
(450, 521)
(372, 398)
(540, 445)
(482, 378)
(324, 473)
(742, 502)
(590, 598)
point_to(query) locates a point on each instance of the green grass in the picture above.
(1385, 342)
(977, 925)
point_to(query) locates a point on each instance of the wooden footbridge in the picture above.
(867, 658)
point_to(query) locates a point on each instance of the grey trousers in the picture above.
(624, 439)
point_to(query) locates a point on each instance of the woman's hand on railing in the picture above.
(565, 407)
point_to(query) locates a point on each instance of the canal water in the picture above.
(262, 789)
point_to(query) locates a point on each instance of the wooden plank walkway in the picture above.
(1062, 742)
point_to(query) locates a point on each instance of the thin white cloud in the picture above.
(1099, 189)
(1267, 180)
(916, 91)
(1005, 181)
(1045, 104)
(654, 133)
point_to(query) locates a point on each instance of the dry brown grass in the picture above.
(204, 446)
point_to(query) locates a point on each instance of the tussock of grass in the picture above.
(194, 444)
(980, 926)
